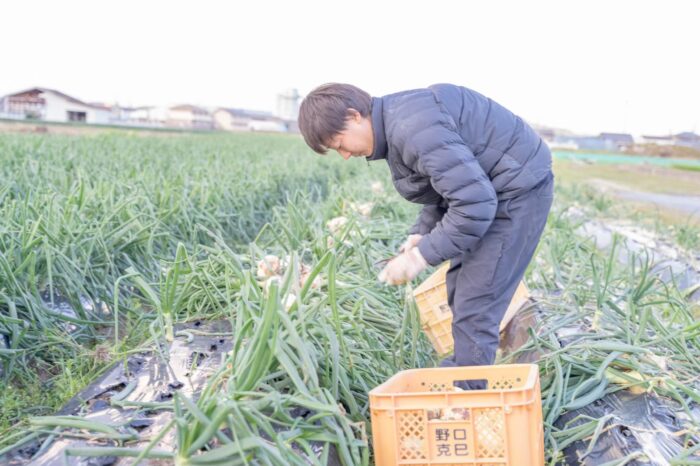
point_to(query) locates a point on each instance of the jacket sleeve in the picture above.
(436, 150)
(427, 219)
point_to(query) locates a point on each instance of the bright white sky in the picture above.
(588, 66)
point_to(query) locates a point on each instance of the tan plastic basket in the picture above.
(436, 316)
(419, 418)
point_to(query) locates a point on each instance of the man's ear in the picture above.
(354, 115)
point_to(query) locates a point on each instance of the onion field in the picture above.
(118, 246)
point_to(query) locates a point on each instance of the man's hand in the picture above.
(410, 243)
(404, 268)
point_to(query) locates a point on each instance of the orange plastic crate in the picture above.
(418, 418)
(435, 313)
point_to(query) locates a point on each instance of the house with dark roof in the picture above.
(45, 104)
(687, 139)
(601, 142)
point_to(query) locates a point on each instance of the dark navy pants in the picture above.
(482, 281)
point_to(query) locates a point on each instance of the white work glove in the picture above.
(410, 243)
(404, 268)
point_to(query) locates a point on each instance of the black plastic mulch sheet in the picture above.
(668, 263)
(646, 425)
(643, 429)
(190, 366)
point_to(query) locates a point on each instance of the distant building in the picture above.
(591, 143)
(658, 140)
(45, 104)
(117, 113)
(270, 126)
(189, 116)
(616, 141)
(148, 116)
(178, 116)
(562, 143)
(40, 103)
(582, 143)
(292, 126)
(237, 119)
(687, 139)
(288, 104)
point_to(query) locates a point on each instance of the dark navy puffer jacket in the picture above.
(459, 153)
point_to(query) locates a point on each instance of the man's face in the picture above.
(356, 140)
